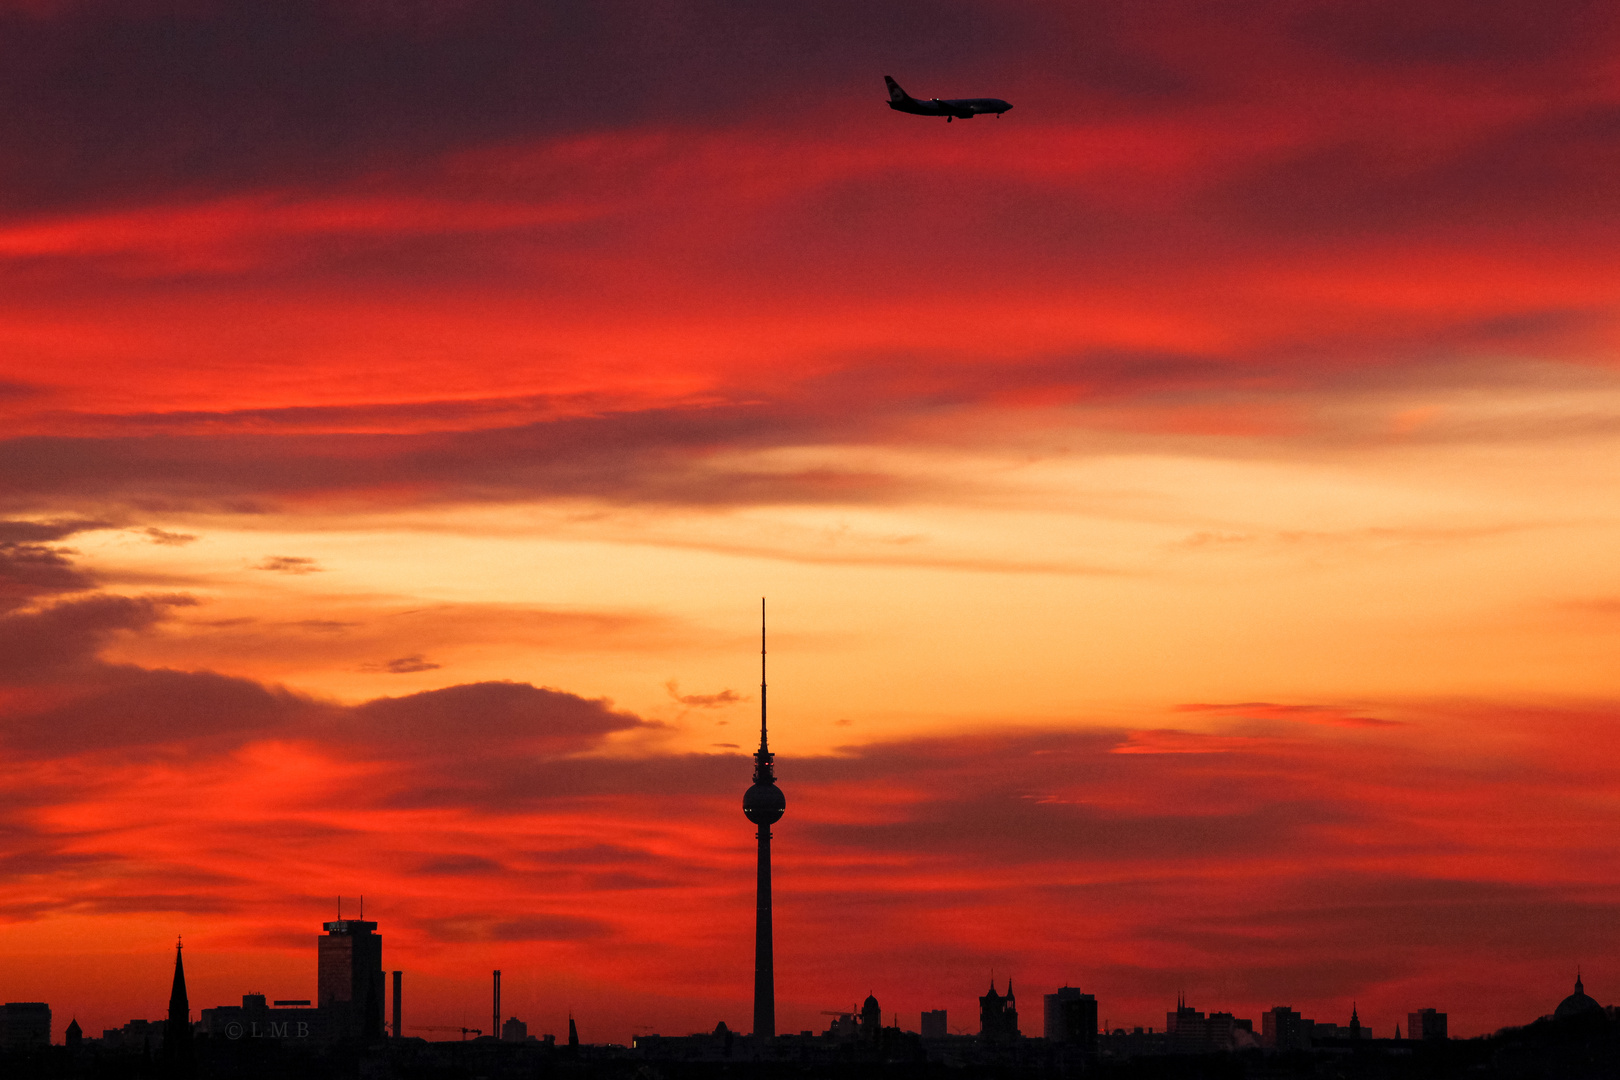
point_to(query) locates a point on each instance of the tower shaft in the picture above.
(764, 954)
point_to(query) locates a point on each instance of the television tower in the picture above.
(763, 805)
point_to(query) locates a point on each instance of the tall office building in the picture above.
(1071, 1018)
(933, 1024)
(763, 804)
(350, 979)
(25, 1024)
(1426, 1024)
(1281, 1028)
(1189, 1031)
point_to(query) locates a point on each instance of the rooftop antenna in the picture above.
(763, 747)
(362, 907)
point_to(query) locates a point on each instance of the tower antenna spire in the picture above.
(764, 747)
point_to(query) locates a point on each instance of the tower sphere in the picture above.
(763, 804)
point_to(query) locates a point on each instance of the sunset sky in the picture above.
(1188, 505)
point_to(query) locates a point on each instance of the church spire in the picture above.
(177, 1033)
(179, 1007)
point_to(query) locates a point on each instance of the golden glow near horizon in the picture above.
(1105, 584)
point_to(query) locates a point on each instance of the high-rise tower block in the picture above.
(350, 978)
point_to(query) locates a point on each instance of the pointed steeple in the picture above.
(179, 1007)
(1579, 989)
(177, 1033)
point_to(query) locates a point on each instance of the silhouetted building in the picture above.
(845, 1026)
(1138, 1042)
(349, 980)
(177, 1034)
(764, 804)
(1321, 1032)
(254, 1020)
(1577, 1004)
(1186, 1027)
(25, 1024)
(933, 1024)
(1281, 1028)
(573, 1033)
(399, 990)
(144, 1035)
(871, 1019)
(998, 1015)
(514, 1030)
(1189, 1031)
(1426, 1024)
(1071, 1018)
(1239, 1031)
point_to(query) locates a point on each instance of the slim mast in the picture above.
(764, 748)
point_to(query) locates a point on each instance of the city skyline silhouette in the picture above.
(1186, 506)
(346, 1018)
(498, 938)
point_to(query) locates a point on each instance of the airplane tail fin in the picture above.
(895, 93)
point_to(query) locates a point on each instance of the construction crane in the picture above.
(465, 1031)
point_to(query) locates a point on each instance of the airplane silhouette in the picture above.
(950, 109)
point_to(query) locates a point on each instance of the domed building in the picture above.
(871, 1018)
(1577, 1004)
